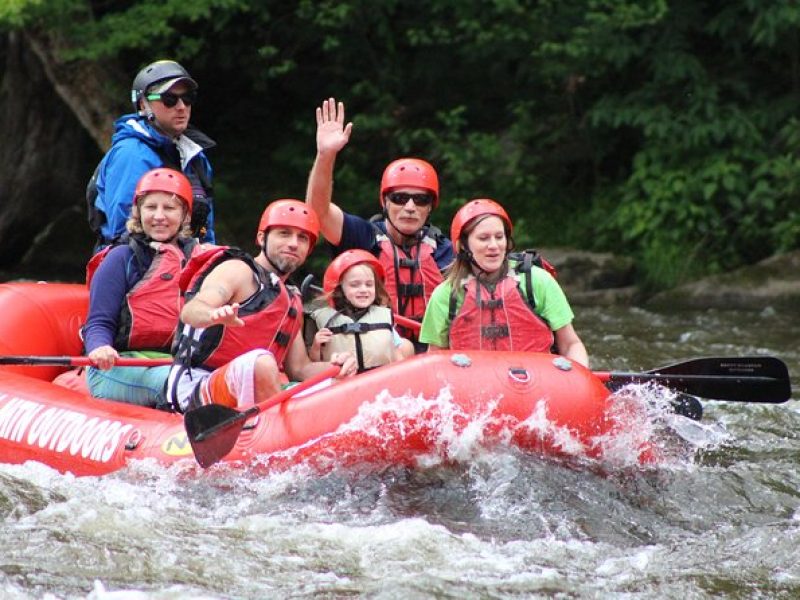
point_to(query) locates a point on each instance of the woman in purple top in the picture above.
(134, 300)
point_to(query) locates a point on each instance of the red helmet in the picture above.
(410, 172)
(165, 180)
(473, 209)
(340, 265)
(290, 213)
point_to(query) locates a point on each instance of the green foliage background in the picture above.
(666, 130)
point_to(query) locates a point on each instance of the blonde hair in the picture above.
(134, 222)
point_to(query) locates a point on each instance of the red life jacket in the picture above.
(411, 275)
(498, 320)
(271, 316)
(149, 315)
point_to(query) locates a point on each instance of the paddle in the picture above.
(407, 323)
(213, 429)
(81, 361)
(399, 319)
(762, 379)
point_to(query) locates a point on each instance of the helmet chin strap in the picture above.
(417, 235)
(169, 241)
(146, 111)
(281, 272)
(466, 255)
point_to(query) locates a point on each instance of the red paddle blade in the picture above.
(212, 430)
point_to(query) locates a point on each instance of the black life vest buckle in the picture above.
(493, 332)
(408, 290)
(407, 263)
(492, 304)
(353, 328)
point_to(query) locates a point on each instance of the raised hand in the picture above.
(332, 133)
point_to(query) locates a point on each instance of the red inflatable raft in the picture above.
(395, 413)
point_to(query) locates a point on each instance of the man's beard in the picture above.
(284, 264)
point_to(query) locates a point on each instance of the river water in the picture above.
(719, 519)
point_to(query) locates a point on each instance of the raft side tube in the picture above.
(515, 382)
(74, 433)
(42, 319)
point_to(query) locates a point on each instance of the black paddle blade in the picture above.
(738, 379)
(687, 406)
(212, 430)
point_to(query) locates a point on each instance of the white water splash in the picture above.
(437, 430)
(562, 438)
(648, 430)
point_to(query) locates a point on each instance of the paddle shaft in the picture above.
(739, 379)
(81, 361)
(284, 395)
(679, 379)
(407, 323)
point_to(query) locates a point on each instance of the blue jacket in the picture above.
(137, 147)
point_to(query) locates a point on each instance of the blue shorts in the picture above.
(135, 385)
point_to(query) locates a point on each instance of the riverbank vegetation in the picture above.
(666, 130)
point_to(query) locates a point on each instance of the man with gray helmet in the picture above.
(156, 134)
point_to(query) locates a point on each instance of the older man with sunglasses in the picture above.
(156, 134)
(413, 253)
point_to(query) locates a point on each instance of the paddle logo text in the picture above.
(59, 429)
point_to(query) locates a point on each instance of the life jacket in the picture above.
(507, 319)
(148, 317)
(411, 273)
(369, 338)
(271, 316)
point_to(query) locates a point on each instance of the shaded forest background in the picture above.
(663, 130)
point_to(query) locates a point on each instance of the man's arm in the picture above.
(332, 136)
(217, 301)
(299, 366)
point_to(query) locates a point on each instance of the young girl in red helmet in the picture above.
(358, 318)
(488, 302)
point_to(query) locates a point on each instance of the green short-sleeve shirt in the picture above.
(551, 305)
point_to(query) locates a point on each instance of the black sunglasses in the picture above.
(169, 99)
(402, 198)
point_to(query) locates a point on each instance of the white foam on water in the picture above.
(451, 433)
(562, 437)
(476, 517)
(645, 422)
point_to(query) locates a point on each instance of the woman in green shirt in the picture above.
(489, 302)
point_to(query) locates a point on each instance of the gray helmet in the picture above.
(161, 70)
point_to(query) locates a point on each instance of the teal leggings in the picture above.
(135, 385)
